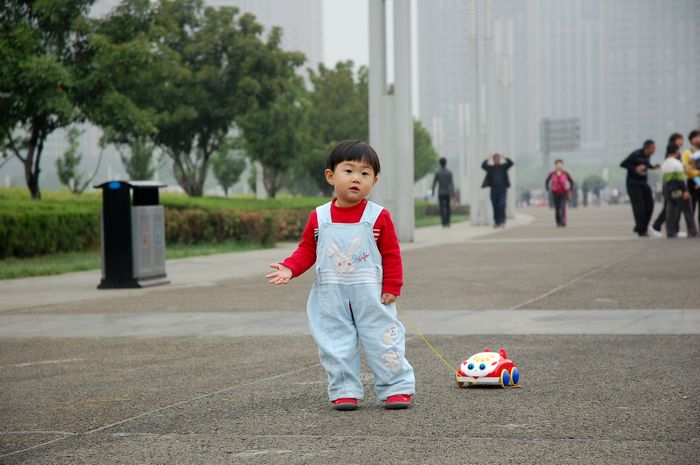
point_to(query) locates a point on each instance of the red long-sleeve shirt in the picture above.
(384, 233)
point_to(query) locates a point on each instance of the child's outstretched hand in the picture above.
(281, 276)
(388, 298)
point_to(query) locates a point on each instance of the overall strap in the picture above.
(323, 213)
(371, 213)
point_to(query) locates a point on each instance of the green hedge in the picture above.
(31, 233)
(64, 223)
(28, 234)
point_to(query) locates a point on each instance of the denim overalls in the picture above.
(345, 309)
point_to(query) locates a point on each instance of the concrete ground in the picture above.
(218, 368)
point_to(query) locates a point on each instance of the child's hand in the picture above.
(388, 298)
(281, 276)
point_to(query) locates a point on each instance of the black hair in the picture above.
(693, 133)
(353, 150)
(672, 138)
(558, 160)
(443, 162)
(648, 143)
(671, 149)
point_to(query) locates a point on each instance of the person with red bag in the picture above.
(561, 185)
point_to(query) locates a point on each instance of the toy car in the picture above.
(490, 368)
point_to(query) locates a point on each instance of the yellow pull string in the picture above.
(415, 329)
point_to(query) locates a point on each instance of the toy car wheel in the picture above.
(515, 376)
(505, 378)
(459, 383)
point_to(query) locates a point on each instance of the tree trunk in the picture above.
(31, 164)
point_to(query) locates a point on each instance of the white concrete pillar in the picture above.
(390, 119)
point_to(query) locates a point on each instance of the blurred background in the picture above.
(618, 72)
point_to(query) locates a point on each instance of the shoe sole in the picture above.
(397, 405)
(345, 407)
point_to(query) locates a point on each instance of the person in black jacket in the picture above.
(637, 164)
(445, 192)
(497, 180)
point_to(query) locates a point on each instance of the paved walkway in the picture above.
(218, 368)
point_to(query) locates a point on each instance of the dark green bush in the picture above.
(27, 234)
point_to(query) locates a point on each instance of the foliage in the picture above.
(200, 69)
(338, 106)
(339, 109)
(274, 134)
(227, 166)
(425, 155)
(138, 163)
(39, 76)
(67, 165)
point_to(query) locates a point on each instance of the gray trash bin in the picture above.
(132, 227)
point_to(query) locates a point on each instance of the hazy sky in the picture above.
(345, 31)
(346, 36)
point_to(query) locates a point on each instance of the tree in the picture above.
(338, 106)
(227, 166)
(203, 69)
(137, 158)
(339, 109)
(425, 155)
(274, 134)
(38, 76)
(67, 165)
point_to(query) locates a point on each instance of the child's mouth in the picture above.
(355, 189)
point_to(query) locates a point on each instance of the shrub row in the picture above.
(266, 227)
(41, 231)
(27, 234)
(433, 209)
(32, 233)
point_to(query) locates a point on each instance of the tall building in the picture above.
(628, 69)
(465, 71)
(652, 71)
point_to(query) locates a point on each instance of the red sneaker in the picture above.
(345, 403)
(398, 401)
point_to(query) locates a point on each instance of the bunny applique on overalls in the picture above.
(345, 310)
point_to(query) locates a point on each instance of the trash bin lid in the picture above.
(131, 184)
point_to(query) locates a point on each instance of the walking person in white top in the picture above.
(676, 194)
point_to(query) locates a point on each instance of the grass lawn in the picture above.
(80, 261)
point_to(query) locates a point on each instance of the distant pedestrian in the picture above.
(585, 189)
(637, 165)
(561, 185)
(497, 179)
(445, 192)
(353, 244)
(675, 189)
(691, 163)
(677, 140)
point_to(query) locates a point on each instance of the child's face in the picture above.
(559, 166)
(353, 181)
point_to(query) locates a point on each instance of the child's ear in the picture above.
(329, 176)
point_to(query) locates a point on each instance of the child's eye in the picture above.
(365, 173)
(348, 171)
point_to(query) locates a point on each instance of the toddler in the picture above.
(353, 246)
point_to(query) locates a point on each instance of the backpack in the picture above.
(558, 183)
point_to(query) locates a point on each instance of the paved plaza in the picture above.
(218, 367)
